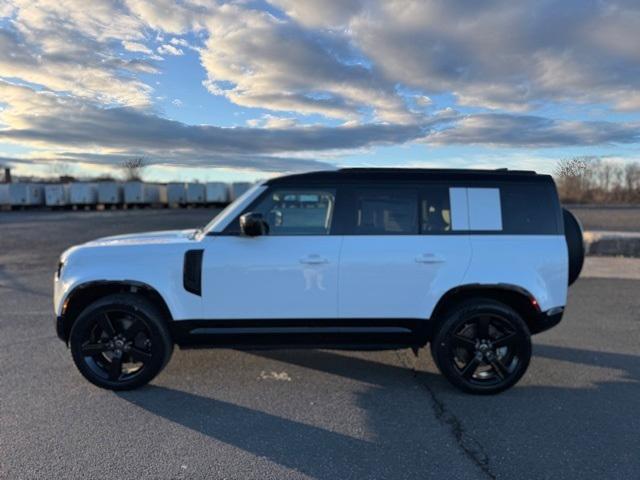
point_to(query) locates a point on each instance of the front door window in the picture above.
(298, 211)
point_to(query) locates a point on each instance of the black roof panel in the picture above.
(408, 175)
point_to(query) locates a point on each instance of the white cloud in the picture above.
(136, 47)
(6, 10)
(181, 42)
(499, 54)
(274, 63)
(310, 13)
(168, 49)
(272, 121)
(423, 101)
(169, 16)
(342, 58)
(67, 47)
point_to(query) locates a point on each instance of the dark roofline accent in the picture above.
(410, 175)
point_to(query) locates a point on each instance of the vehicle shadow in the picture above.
(593, 428)
(628, 364)
(568, 416)
(286, 442)
(396, 445)
(311, 450)
(575, 431)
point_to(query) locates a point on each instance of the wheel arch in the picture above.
(516, 297)
(86, 293)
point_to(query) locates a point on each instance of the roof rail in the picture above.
(434, 170)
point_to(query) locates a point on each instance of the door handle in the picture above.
(314, 260)
(430, 258)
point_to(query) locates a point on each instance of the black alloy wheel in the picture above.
(120, 342)
(482, 347)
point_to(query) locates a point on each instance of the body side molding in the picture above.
(352, 333)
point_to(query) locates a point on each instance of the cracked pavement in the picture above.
(307, 414)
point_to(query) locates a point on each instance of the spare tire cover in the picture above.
(575, 244)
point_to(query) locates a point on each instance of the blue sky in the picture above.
(245, 90)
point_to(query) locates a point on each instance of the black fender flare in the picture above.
(85, 293)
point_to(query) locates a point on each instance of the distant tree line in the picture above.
(597, 180)
(131, 170)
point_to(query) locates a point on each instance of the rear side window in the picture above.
(385, 212)
(528, 209)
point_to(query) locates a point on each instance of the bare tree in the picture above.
(632, 181)
(133, 167)
(572, 175)
(591, 179)
(605, 172)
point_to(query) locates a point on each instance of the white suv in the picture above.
(471, 261)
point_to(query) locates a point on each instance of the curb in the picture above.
(612, 244)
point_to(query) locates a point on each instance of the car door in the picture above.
(400, 251)
(290, 273)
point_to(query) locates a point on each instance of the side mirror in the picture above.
(253, 225)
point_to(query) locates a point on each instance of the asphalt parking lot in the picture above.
(621, 218)
(306, 414)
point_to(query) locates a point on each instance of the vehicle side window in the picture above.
(529, 209)
(295, 211)
(385, 212)
(435, 210)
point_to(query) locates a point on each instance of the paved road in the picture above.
(624, 218)
(307, 414)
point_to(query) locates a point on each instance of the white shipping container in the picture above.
(176, 193)
(195, 193)
(238, 188)
(217, 192)
(154, 193)
(5, 199)
(134, 193)
(26, 194)
(83, 193)
(109, 193)
(56, 195)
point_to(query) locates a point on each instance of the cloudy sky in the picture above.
(249, 89)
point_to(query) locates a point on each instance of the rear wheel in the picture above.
(120, 342)
(482, 347)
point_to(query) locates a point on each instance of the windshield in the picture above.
(231, 210)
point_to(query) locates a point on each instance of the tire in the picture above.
(120, 342)
(482, 347)
(575, 244)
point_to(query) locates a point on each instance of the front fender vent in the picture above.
(192, 271)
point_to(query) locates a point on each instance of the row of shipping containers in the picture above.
(118, 194)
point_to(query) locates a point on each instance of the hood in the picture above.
(167, 236)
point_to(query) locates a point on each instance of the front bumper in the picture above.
(61, 330)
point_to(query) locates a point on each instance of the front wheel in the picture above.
(482, 347)
(120, 342)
